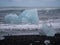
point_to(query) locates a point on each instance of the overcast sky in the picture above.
(30, 3)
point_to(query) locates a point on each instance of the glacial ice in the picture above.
(26, 17)
(11, 19)
(49, 30)
(29, 16)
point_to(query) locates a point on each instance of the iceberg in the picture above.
(49, 31)
(29, 16)
(11, 19)
(26, 17)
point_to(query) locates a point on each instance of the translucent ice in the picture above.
(26, 17)
(29, 16)
(49, 31)
(11, 19)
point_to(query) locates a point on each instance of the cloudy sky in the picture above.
(30, 3)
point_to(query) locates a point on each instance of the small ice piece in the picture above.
(29, 16)
(47, 42)
(49, 31)
(11, 19)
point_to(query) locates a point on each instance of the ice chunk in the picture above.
(29, 16)
(49, 31)
(11, 19)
